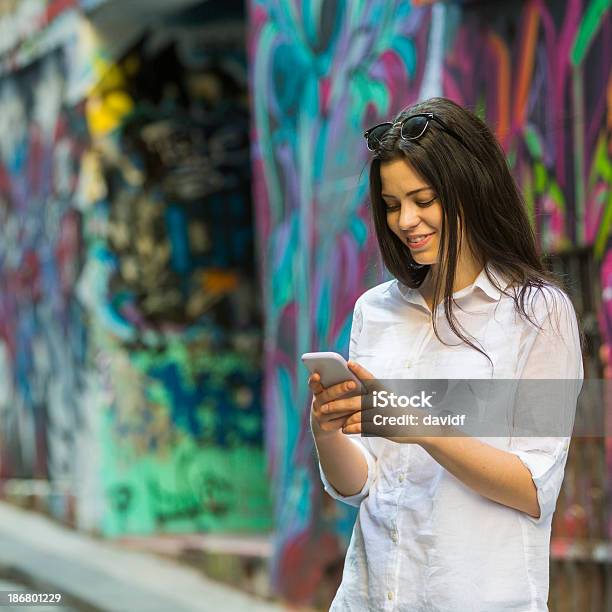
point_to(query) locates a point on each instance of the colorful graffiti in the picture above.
(130, 337)
(538, 72)
(549, 106)
(169, 283)
(31, 29)
(42, 331)
(182, 448)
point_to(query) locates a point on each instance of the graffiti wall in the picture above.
(169, 280)
(321, 73)
(42, 331)
(130, 327)
(549, 103)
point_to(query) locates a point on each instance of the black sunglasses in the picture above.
(412, 128)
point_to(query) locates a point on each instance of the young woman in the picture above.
(453, 524)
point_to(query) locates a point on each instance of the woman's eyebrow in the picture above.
(409, 193)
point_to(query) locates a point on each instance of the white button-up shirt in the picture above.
(424, 541)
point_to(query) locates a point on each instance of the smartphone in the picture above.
(332, 368)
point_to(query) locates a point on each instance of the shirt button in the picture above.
(409, 364)
(390, 595)
(401, 478)
(394, 536)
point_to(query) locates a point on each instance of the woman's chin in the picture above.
(424, 261)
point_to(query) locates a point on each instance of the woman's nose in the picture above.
(408, 217)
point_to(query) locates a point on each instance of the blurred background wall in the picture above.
(157, 284)
(321, 73)
(130, 340)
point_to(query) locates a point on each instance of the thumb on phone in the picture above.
(366, 377)
(360, 371)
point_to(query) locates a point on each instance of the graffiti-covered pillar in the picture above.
(321, 73)
(42, 324)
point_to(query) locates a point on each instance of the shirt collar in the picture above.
(481, 282)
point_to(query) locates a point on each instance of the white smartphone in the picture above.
(332, 368)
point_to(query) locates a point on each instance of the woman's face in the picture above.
(414, 213)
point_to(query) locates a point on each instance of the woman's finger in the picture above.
(360, 371)
(353, 428)
(369, 380)
(350, 405)
(355, 417)
(340, 417)
(363, 418)
(336, 391)
(314, 382)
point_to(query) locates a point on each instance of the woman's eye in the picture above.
(392, 207)
(427, 203)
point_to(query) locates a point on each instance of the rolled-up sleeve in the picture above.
(361, 443)
(552, 352)
(545, 458)
(353, 500)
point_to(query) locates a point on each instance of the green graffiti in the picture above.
(605, 228)
(588, 28)
(540, 177)
(533, 142)
(193, 489)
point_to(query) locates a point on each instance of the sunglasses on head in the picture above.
(412, 128)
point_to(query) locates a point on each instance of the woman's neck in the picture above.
(465, 274)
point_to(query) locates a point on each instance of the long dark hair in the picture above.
(477, 192)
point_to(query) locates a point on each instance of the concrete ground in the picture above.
(99, 576)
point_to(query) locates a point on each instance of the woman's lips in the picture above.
(421, 243)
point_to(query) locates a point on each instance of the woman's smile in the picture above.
(416, 243)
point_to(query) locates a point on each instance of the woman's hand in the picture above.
(331, 406)
(361, 422)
